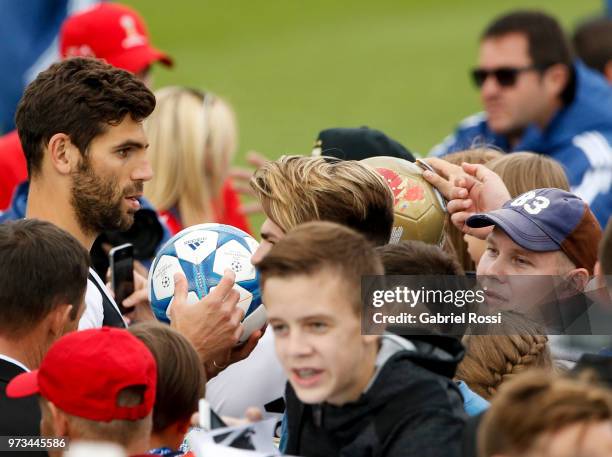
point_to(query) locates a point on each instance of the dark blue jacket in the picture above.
(579, 137)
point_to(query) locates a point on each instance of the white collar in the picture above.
(14, 362)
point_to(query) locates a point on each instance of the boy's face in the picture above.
(318, 337)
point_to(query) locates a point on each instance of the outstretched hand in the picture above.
(469, 189)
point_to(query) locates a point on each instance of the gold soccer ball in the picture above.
(419, 211)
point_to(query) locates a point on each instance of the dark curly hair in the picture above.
(80, 97)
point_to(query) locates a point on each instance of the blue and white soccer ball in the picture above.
(202, 253)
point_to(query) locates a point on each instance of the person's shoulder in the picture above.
(470, 131)
(428, 416)
(425, 418)
(422, 387)
(591, 88)
(93, 294)
(19, 416)
(584, 150)
(473, 121)
(94, 303)
(587, 115)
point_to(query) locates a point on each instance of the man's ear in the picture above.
(64, 155)
(59, 420)
(59, 319)
(578, 278)
(556, 78)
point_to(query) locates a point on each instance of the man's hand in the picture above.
(241, 178)
(212, 325)
(138, 306)
(252, 414)
(445, 178)
(139, 302)
(470, 189)
(218, 362)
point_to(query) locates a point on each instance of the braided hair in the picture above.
(491, 360)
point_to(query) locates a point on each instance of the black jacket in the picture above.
(19, 416)
(407, 411)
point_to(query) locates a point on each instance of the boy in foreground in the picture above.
(348, 394)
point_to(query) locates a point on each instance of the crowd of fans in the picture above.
(527, 186)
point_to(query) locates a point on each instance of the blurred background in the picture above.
(292, 68)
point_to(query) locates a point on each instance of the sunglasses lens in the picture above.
(479, 77)
(506, 76)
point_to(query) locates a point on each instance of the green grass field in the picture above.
(292, 68)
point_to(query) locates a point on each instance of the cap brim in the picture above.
(522, 230)
(23, 385)
(137, 59)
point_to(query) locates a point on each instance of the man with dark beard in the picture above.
(80, 126)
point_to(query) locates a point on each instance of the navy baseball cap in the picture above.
(548, 220)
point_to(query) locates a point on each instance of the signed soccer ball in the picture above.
(418, 208)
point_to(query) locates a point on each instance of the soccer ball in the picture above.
(202, 253)
(419, 211)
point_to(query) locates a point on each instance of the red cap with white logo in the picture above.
(111, 32)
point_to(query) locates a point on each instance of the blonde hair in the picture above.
(192, 140)
(476, 155)
(295, 189)
(323, 246)
(491, 360)
(525, 171)
(537, 403)
(454, 242)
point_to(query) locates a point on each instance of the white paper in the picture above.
(254, 439)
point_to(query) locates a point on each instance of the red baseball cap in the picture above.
(84, 372)
(111, 32)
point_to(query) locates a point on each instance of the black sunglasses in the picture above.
(505, 76)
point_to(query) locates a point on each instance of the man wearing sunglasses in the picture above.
(536, 98)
